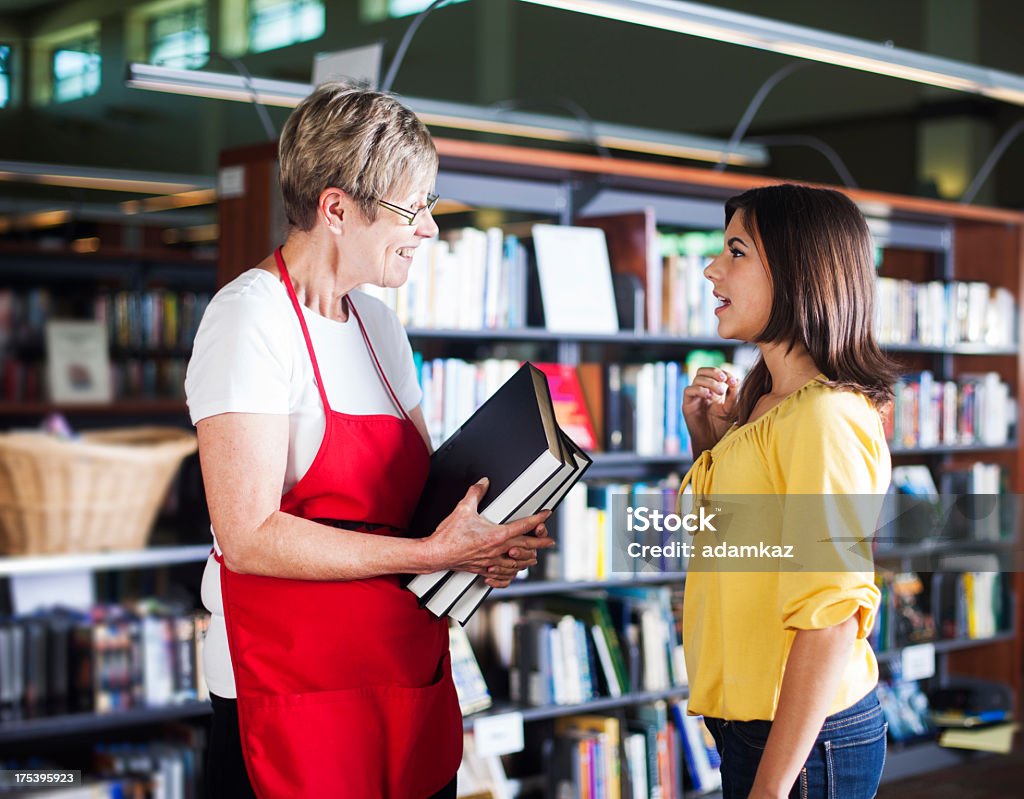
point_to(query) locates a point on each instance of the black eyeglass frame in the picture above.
(410, 217)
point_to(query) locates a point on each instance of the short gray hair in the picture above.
(363, 142)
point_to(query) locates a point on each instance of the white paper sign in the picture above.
(918, 662)
(78, 362)
(498, 735)
(575, 279)
(230, 182)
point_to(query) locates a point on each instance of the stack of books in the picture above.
(513, 440)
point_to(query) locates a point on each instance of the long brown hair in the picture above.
(818, 251)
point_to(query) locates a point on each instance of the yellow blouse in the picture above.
(738, 626)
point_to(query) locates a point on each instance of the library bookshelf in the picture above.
(921, 240)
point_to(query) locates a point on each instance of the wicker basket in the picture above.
(102, 492)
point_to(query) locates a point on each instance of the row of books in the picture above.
(657, 750)
(687, 299)
(974, 409)
(113, 658)
(154, 319)
(453, 389)
(603, 407)
(918, 608)
(568, 650)
(474, 279)
(652, 751)
(468, 280)
(131, 378)
(593, 542)
(137, 320)
(484, 279)
(944, 314)
(167, 769)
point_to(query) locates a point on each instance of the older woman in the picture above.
(328, 679)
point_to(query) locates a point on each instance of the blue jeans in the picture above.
(845, 763)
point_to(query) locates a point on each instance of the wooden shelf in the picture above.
(486, 158)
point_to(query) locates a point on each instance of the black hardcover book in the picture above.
(477, 591)
(513, 440)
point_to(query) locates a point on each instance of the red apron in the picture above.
(345, 688)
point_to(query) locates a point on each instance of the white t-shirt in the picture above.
(250, 356)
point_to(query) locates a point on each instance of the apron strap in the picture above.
(279, 257)
(376, 361)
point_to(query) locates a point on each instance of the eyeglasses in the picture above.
(410, 217)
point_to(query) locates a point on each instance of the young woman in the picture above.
(778, 660)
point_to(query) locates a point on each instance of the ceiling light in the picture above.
(104, 179)
(216, 85)
(803, 42)
(563, 129)
(439, 114)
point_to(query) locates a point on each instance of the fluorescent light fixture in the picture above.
(442, 114)
(105, 179)
(553, 128)
(216, 85)
(748, 30)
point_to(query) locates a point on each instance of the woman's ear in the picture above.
(332, 209)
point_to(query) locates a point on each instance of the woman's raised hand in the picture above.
(466, 541)
(709, 405)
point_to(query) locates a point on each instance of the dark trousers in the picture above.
(226, 777)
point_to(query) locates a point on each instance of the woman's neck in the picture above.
(318, 277)
(789, 370)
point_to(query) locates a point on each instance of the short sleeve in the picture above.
(403, 373)
(835, 467)
(241, 359)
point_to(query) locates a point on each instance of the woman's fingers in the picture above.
(528, 542)
(474, 494)
(530, 523)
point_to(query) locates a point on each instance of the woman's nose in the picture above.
(711, 270)
(426, 227)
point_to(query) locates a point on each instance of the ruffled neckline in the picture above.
(737, 429)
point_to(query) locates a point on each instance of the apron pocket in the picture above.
(376, 742)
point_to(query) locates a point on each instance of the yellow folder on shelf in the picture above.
(997, 738)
